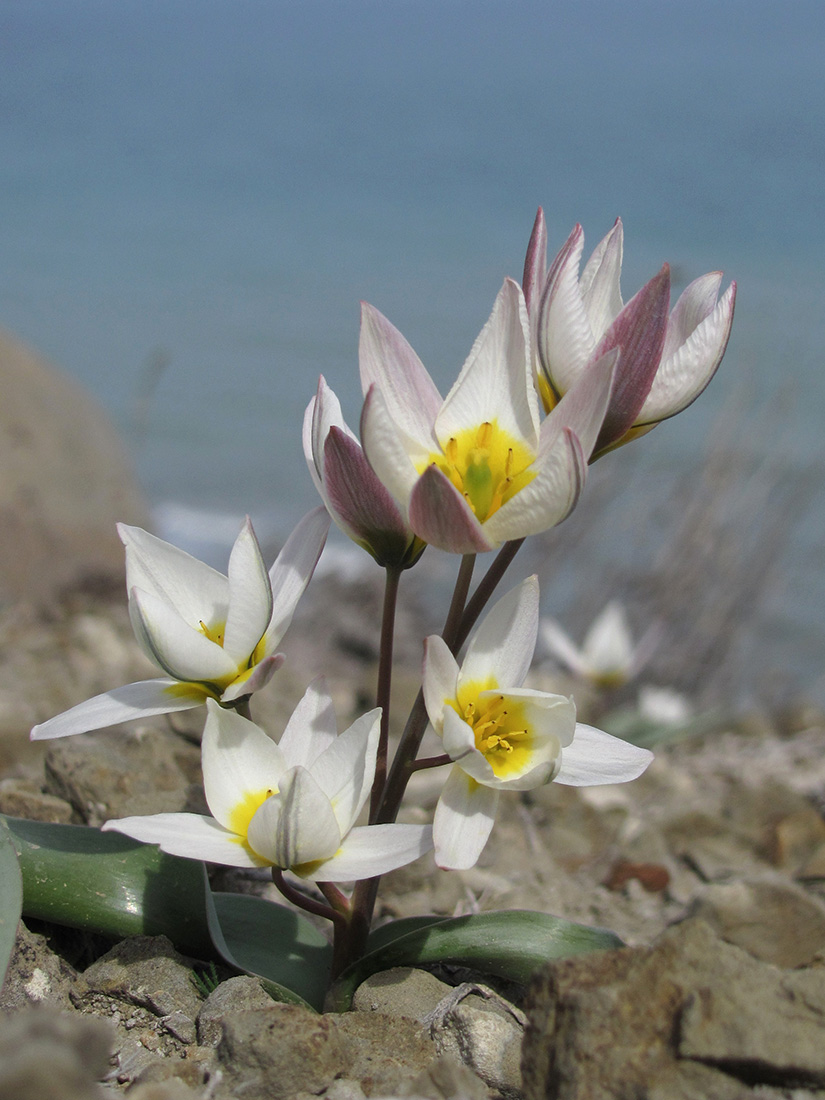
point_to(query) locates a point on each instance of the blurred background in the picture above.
(197, 193)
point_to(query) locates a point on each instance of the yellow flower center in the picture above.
(244, 810)
(487, 465)
(214, 632)
(500, 728)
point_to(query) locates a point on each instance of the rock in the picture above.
(278, 1051)
(66, 482)
(148, 972)
(382, 1052)
(402, 991)
(130, 772)
(771, 918)
(49, 1055)
(22, 798)
(36, 975)
(230, 998)
(445, 1079)
(689, 1017)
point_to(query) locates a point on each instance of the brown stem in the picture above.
(393, 576)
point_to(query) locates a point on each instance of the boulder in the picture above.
(65, 481)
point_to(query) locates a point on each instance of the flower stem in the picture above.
(482, 594)
(393, 576)
(462, 587)
(338, 918)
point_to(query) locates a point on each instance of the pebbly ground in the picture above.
(711, 868)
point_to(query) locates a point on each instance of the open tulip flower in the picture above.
(666, 359)
(214, 636)
(354, 497)
(502, 736)
(608, 657)
(477, 469)
(290, 805)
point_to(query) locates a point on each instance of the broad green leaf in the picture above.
(108, 883)
(11, 898)
(275, 944)
(510, 944)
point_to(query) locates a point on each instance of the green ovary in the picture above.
(487, 465)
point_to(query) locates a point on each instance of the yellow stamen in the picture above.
(214, 632)
(486, 464)
(500, 729)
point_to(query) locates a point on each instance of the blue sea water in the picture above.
(197, 193)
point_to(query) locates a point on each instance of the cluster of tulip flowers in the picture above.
(562, 373)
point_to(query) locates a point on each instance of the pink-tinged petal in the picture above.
(600, 280)
(250, 597)
(686, 373)
(311, 728)
(595, 758)
(143, 699)
(548, 499)
(189, 835)
(181, 651)
(496, 382)
(388, 362)
(562, 648)
(460, 745)
(639, 333)
(345, 770)
(239, 761)
(195, 590)
(322, 413)
(696, 302)
(583, 407)
(292, 571)
(360, 503)
(464, 819)
(565, 338)
(253, 679)
(440, 515)
(440, 680)
(394, 456)
(503, 645)
(372, 850)
(296, 827)
(535, 266)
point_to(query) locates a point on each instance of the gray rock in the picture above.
(771, 918)
(22, 798)
(401, 991)
(230, 998)
(139, 771)
(382, 1052)
(148, 972)
(690, 1016)
(445, 1079)
(50, 1055)
(36, 975)
(66, 481)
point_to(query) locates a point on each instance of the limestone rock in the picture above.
(49, 1055)
(231, 997)
(690, 1016)
(66, 481)
(36, 975)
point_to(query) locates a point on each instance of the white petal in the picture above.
(239, 760)
(440, 681)
(311, 727)
(393, 455)
(388, 362)
(297, 826)
(696, 302)
(195, 590)
(140, 700)
(583, 407)
(600, 280)
(372, 850)
(253, 679)
(684, 374)
(181, 650)
(608, 645)
(292, 571)
(460, 745)
(565, 338)
(548, 499)
(345, 771)
(551, 717)
(502, 647)
(561, 647)
(189, 835)
(464, 819)
(496, 381)
(594, 758)
(250, 597)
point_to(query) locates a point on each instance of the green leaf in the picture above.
(11, 898)
(274, 943)
(108, 883)
(511, 944)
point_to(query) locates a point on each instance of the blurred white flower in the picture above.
(608, 657)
